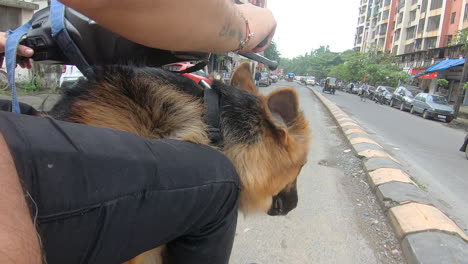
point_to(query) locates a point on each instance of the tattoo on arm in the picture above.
(229, 31)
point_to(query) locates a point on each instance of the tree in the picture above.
(272, 52)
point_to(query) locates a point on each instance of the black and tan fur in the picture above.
(265, 137)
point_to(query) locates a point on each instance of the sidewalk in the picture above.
(462, 119)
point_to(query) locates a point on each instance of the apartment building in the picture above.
(419, 33)
(405, 26)
(375, 25)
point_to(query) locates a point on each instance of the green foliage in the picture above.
(442, 82)
(349, 66)
(465, 86)
(318, 63)
(272, 52)
(32, 86)
(461, 37)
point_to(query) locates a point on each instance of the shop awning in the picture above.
(445, 64)
(440, 66)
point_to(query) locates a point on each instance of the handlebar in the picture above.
(272, 65)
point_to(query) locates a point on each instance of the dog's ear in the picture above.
(242, 78)
(283, 105)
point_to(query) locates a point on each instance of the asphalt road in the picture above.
(338, 219)
(427, 148)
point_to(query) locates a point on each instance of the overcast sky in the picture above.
(304, 25)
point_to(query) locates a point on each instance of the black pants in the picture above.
(105, 196)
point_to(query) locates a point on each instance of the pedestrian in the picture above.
(363, 92)
(258, 76)
(92, 216)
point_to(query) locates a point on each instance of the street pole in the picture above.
(460, 89)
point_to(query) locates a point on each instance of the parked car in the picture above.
(310, 81)
(389, 95)
(264, 80)
(403, 98)
(432, 106)
(464, 147)
(70, 75)
(382, 94)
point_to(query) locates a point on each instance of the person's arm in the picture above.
(18, 240)
(183, 25)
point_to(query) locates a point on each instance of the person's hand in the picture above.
(262, 23)
(22, 51)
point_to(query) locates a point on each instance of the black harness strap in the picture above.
(211, 100)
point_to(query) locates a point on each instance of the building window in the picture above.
(417, 44)
(414, 2)
(410, 32)
(383, 29)
(421, 25)
(385, 15)
(452, 19)
(465, 16)
(412, 16)
(409, 48)
(423, 6)
(433, 23)
(387, 2)
(395, 49)
(449, 39)
(430, 43)
(436, 4)
(400, 18)
(397, 34)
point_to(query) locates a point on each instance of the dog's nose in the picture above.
(277, 207)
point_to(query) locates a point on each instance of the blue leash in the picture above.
(14, 37)
(60, 35)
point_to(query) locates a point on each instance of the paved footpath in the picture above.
(427, 235)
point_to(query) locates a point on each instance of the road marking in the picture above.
(416, 217)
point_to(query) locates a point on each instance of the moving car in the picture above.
(464, 147)
(274, 78)
(432, 106)
(310, 80)
(403, 98)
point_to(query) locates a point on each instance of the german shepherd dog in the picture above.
(265, 137)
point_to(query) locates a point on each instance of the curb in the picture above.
(427, 235)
